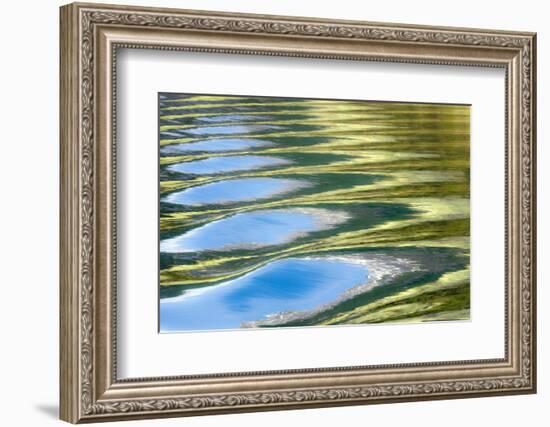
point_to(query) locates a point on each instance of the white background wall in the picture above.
(29, 170)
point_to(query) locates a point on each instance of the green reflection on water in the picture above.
(400, 170)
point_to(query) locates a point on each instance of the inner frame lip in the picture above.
(502, 362)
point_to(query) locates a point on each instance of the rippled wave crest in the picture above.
(304, 212)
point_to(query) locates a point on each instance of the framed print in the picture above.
(265, 212)
(289, 219)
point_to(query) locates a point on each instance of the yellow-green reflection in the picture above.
(399, 170)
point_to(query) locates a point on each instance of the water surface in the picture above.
(215, 145)
(292, 284)
(229, 129)
(255, 229)
(231, 118)
(215, 165)
(265, 201)
(235, 190)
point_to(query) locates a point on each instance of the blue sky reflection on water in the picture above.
(222, 164)
(253, 230)
(292, 284)
(216, 145)
(235, 190)
(230, 118)
(229, 129)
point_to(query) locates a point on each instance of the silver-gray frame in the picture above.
(90, 37)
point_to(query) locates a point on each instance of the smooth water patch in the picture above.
(171, 134)
(229, 129)
(216, 145)
(287, 285)
(230, 118)
(223, 164)
(235, 190)
(254, 229)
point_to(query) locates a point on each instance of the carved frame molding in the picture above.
(90, 36)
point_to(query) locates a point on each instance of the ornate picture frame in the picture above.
(90, 37)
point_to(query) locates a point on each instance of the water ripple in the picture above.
(235, 190)
(222, 164)
(255, 229)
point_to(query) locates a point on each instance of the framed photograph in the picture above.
(265, 212)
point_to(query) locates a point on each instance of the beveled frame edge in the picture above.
(89, 390)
